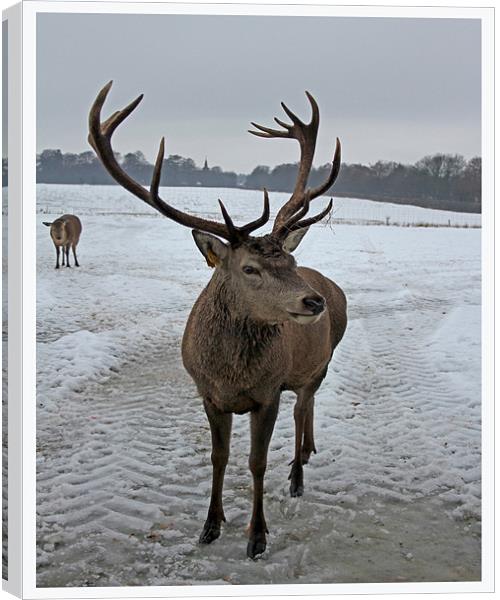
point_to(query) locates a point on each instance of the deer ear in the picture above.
(293, 239)
(47, 224)
(211, 247)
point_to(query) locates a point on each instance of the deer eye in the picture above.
(248, 270)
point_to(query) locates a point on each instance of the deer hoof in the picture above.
(255, 548)
(296, 490)
(305, 456)
(296, 478)
(211, 531)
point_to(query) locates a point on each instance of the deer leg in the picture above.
(296, 476)
(57, 256)
(262, 425)
(74, 255)
(63, 256)
(308, 443)
(304, 437)
(67, 256)
(220, 426)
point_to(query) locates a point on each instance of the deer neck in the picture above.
(232, 327)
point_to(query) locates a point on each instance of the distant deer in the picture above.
(262, 325)
(65, 233)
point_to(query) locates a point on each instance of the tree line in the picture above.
(443, 181)
(53, 166)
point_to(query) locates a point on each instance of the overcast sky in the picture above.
(5, 87)
(393, 89)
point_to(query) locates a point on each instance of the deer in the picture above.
(65, 233)
(262, 325)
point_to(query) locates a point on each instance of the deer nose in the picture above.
(316, 304)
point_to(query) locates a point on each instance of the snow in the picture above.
(102, 199)
(123, 445)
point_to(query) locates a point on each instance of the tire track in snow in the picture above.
(126, 497)
(404, 393)
(124, 466)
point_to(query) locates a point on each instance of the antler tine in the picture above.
(285, 228)
(293, 116)
(315, 110)
(95, 111)
(260, 134)
(268, 132)
(262, 220)
(155, 181)
(283, 124)
(313, 123)
(321, 189)
(100, 134)
(310, 221)
(109, 126)
(240, 233)
(233, 231)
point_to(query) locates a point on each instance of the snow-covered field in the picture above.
(123, 446)
(62, 198)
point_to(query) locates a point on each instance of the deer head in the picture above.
(58, 231)
(260, 270)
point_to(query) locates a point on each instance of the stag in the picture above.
(65, 233)
(262, 325)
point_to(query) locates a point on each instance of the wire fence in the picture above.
(108, 201)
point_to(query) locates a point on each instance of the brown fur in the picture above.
(261, 325)
(243, 351)
(65, 233)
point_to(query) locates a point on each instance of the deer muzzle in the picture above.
(310, 309)
(316, 304)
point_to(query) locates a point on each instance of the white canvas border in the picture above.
(14, 345)
(28, 502)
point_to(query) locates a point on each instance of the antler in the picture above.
(294, 222)
(100, 140)
(288, 217)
